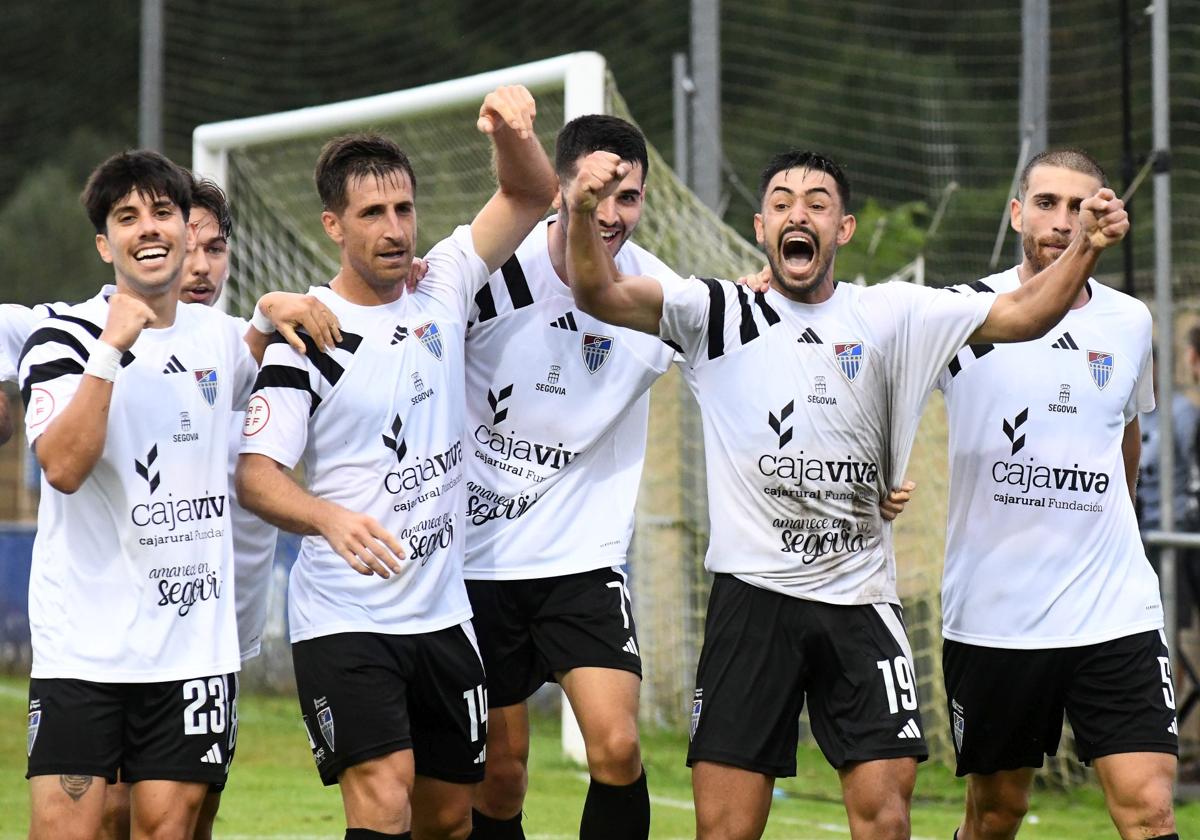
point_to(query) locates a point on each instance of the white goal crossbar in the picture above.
(581, 74)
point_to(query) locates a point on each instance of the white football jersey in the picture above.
(377, 423)
(1042, 546)
(132, 576)
(809, 413)
(16, 323)
(253, 551)
(557, 406)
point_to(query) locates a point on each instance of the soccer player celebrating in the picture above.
(804, 602)
(387, 669)
(1048, 600)
(555, 429)
(205, 270)
(134, 637)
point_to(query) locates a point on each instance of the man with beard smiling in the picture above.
(1048, 601)
(810, 395)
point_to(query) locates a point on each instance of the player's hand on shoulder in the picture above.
(757, 282)
(893, 505)
(599, 175)
(127, 317)
(1105, 221)
(289, 311)
(416, 273)
(508, 107)
(366, 546)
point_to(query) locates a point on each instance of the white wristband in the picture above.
(103, 362)
(261, 322)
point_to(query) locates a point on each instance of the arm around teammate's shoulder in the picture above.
(525, 179)
(600, 289)
(1029, 311)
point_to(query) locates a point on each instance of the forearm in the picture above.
(1029, 311)
(71, 446)
(601, 290)
(523, 172)
(266, 490)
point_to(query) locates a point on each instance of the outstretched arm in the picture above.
(525, 179)
(1030, 311)
(600, 289)
(264, 488)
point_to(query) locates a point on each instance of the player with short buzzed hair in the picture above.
(810, 395)
(1048, 601)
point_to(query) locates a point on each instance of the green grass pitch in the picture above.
(274, 792)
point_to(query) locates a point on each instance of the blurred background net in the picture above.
(919, 103)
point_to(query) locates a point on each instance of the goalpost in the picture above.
(265, 164)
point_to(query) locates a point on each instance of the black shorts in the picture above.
(529, 630)
(364, 695)
(1006, 706)
(180, 731)
(764, 652)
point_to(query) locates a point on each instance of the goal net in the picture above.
(265, 163)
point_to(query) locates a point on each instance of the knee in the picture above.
(1145, 809)
(889, 821)
(445, 824)
(114, 823)
(616, 757)
(1000, 816)
(502, 792)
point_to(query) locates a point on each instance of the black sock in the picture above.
(368, 834)
(616, 812)
(956, 834)
(1166, 837)
(490, 828)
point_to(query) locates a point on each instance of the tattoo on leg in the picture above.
(75, 786)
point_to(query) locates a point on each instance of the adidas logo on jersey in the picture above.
(809, 337)
(910, 730)
(566, 322)
(399, 335)
(213, 756)
(174, 366)
(1065, 342)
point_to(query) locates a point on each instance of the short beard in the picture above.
(1029, 247)
(825, 269)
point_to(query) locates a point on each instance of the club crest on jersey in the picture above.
(206, 380)
(596, 350)
(325, 721)
(431, 338)
(1100, 366)
(849, 356)
(35, 722)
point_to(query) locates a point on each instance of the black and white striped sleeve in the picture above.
(51, 366)
(289, 390)
(708, 318)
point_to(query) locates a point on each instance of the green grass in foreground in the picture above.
(274, 791)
